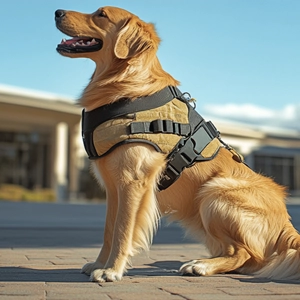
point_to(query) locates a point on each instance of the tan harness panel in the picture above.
(114, 131)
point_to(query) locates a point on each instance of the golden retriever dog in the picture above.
(240, 215)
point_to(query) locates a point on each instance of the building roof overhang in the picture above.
(46, 101)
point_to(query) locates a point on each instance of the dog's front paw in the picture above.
(105, 275)
(195, 268)
(90, 267)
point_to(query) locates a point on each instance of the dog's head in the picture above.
(108, 33)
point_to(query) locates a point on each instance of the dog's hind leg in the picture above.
(210, 266)
(241, 227)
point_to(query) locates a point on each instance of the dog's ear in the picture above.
(134, 38)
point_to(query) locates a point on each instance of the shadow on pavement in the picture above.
(22, 274)
(167, 264)
(17, 274)
(266, 280)
(158, 268)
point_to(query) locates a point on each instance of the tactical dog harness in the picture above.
(166, 120)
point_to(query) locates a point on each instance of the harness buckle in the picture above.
(183, 156)
(187, 152)
(161, 126)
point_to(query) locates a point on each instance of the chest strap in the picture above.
(189, 149)
(200, 139)
(92, 119)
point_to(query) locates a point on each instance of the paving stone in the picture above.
(36, 289)
(53, 273)
(23, 297)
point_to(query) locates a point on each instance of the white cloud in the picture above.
(288, 117)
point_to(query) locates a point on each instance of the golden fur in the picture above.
(240, 215)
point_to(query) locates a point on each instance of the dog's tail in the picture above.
(285, 263)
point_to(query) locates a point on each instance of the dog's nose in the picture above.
(59, 14)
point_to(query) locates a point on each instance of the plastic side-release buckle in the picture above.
(178, 161)
(159, 126)
(185, 154)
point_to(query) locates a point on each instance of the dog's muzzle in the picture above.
(77, 44)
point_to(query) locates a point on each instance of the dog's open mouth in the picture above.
(79, 45)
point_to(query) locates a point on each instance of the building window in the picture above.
(280, 168)
(24, 159)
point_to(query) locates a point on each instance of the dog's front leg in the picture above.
(136, 218)
(130, 198)
(111, 211)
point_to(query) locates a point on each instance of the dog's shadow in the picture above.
(158, 268)
(266, 280)
(171, 267)
(22, 274)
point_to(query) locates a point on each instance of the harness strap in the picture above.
(160, 126)
(200, 139)
(94, 118)
(188, 151)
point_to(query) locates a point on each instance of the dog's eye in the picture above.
(102, 14)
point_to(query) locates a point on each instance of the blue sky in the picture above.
(223, 52)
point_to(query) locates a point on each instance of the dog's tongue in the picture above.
(70, 41)
(79, 42)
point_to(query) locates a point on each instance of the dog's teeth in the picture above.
(88, 43)
(63, 41)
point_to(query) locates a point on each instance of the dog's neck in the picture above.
(127, 79)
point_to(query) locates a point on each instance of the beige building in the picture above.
(39, 141)
(274, 152)
(40, 146)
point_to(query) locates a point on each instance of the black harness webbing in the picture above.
(187, 152)
(92, 119)
(96, 117)
(195, 136)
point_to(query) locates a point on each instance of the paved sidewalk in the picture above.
(43, 247)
